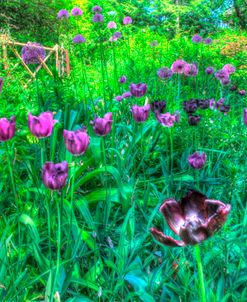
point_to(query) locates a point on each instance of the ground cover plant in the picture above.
(125, 178)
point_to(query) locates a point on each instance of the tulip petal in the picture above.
(193, 205)
(166, 240)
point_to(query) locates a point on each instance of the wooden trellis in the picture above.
(61, 57)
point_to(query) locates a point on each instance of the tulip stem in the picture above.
(200, 273)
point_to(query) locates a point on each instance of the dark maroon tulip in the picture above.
(7, 128)
(194, 219)
(138, 90)
(140, 113)
(190, 106)
(1, 84)
(203, 104)
(158, 106)
(224, 108)
(76, 142)
(102, 126)
(245, 116)
(194, 120)
(55, 175)
(42, 125)
(197, 160)
(233, 88)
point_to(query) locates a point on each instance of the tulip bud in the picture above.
(55, 175)
(102, 126)
(7, 128)
(42, 125)
(76, 142)
(140, 113)
(122, 79)
(197, 160)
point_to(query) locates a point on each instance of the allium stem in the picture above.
(202, 292)
(179, 84)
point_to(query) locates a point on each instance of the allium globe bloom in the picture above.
(32, 52)
(229, 68)
(113, 39)
(158, 106)
(197, 38)
(97, 9)
(78, 39)
(225, 82)
(194, 219)
(76, 11)
(127, 20)
(221, 74)
(194, 120)
(245, 116)
(118, 98)
(140, 113)
(98, 18)
(7, 128)
(54, 176)
(76, 142)
(190, 70)
(190, 106)
(63, 13)
(111, 25)
(42, 125)
(209, 70)
(178, 66)
(208, 41)
(117, 35)
(122, 79)
(164, 73)
(1, 84)
(242, 92)
(138, 90)
(126, 95)
(197, 160)
(102, 126)
(166, 119)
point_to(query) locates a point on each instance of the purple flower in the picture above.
(166, 119)
(76, 142)
(111, 25)
(219, 103)
(229, 68)
(196, 38)
(127, 20)
(76, 11)
(158, 106)
(138, 90)
(190, 106)
(102, 126)
(197, 160)
(233, 88)
(1, 84)
(117, 35)
(42, 125)
(113, 39)
(78, 39)
(118, 98)
(203, 104)
(164, 73)
(221, 74)
(178, 66)
(194, 120)
(122, 79)
(126, 95)
(63, 13)
(54, 176)
(98, 18)
(140, 113)
(190, 70)
(225, 82)
(242, 92)
(208, 41)
(7, 128)
(97, 9)
(32, 52)
(245, 116)
(224, 108)
(194, 219)
(209, 70)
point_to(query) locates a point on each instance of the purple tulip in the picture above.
(224, 109)
(127, 20)
(138, 90)
(229, 68)
(245, 116)
(78, 39)
(111, 25)
(63, 13)
(140, 113)
(166, 119)
(208, 41)
(126, 95)
(190, 70)
(1, 84)
(209, 70)
(97, 9)
(122, 79)
(242, 92)
(197, 160)
(178, 66)
(98, 18)
(225, 82)
(7, 128)
(196, 38)
(190, 106)
(54, 176)
(102, 126)
(158, 106)
(194, 219)
(76, 142)
(118, 98)
(164, 73)
(76, 11)
(42, 125)
(203, 104)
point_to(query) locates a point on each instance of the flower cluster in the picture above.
(223, 75)
(75, 12)
(32, 52)
(198, 39)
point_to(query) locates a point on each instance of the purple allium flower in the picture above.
(164, 73)
(63, 13)
(190, 106)
(194, 120)
(221, 74)
(158, 106)
(153, 44)
(98, 18)
(54, 176)
(76, 11)
(225, 82)
(208, 41)
(32, 52)
(209, 70)
(178, 66)
(113, 39)
(122, 79)
(242, 92)
(111, 25)
(1, 84)
(229, 68)
(78, 39)
(196, 38)
(127, 20)
(245, 116)
(126, 95)
(138, 90)
(118, 98)
(140, 113)
(233, 88)
(197, 160)
(97, 9)
(7, 128)
(42, 125)
(117, 35)
(166, 119)
(190, 70)
(76, 142)
(102, 126)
